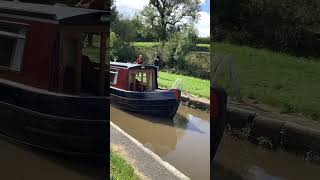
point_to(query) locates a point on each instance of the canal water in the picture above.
(241, 160)
(184, 142)
(21, 162)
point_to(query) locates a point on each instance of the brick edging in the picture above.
(280, 132)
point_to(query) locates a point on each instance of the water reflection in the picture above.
(156, 134)
(218, 171)
(241, 159)
(23, 162)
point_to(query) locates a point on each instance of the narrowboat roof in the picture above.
(57, 14)
(131, 65)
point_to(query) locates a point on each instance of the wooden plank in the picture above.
(141, 84)
(107, 59)
(148, 81)
(61, 69)
(102, 63)
(78, 69)
(134, 82)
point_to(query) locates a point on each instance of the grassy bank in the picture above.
(194, 86)
(119, 169)
(151, 44)
(283, 81)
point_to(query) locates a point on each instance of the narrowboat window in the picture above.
(12, 42)
(91, 46)
(141, 80)
(113, 77)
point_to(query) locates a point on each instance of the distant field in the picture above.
(151, 44)
(194, 86)
(119, 169)
(144, 44)
(283, 81)
(203, 45)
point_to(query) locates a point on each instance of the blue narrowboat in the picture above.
(134, 87)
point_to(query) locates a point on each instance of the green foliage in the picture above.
(180, 54)
(121, 49)
(168, 16)
(198, 65)
(145, 32)
(289, 83)
(203, 40)
(291, 26)
(125, 30)
(119, 169)
(175, 50)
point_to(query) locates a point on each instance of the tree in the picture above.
(167, 16)
(178, 46)
(125, 29)
(114, 13)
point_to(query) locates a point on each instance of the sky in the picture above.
(129, 7)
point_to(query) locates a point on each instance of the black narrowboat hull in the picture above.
(71, 125)
(155, 103)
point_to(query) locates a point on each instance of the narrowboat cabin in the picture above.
(218, 113)
(54, 94)
(134, 87)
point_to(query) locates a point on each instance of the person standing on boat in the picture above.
(156, 62)
(91, 4)
(139, 60)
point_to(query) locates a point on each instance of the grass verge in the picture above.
(119, 169)
(151, 44)
(289, 83)
(194, 86)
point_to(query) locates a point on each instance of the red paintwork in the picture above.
(38, 55)
(122, 82)
(213, 104)
(177, 93)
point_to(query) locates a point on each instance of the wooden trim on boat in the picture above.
(61, 69)
(103, 47)
(78, 68)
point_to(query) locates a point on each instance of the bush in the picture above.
(203, 40)
(121, 50)
(177, 48)
(198, 65)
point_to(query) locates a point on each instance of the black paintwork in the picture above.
(62, 123)
(61, 14)
(157, 103)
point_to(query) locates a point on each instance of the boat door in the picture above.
(82, 68)
(70, 47)
(142, 80)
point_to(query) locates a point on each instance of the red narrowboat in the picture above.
(54, 96)
(218, 112)
(134, 87)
